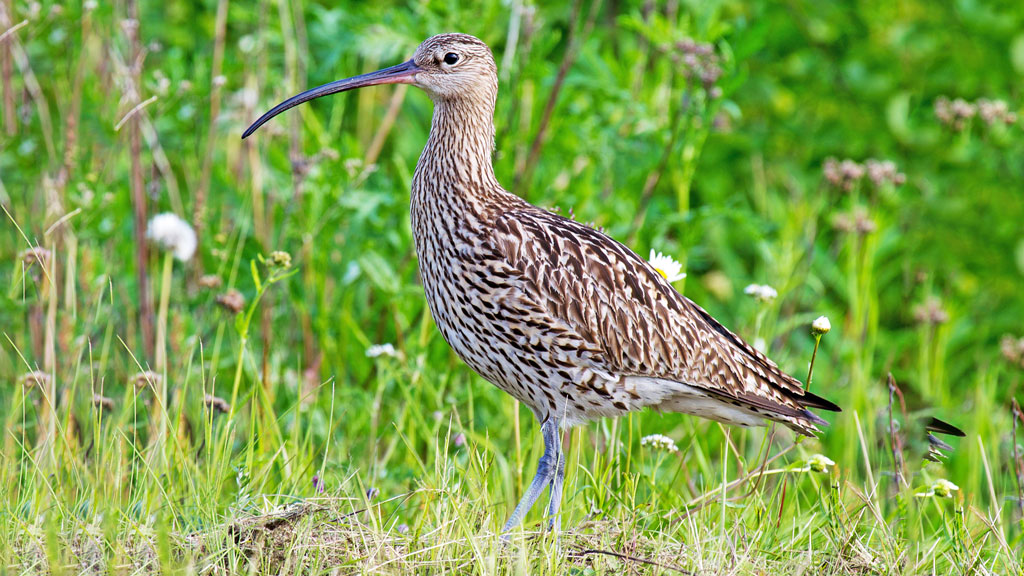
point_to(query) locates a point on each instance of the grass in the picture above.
(222, 414)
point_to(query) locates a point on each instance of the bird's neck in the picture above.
(455, 166)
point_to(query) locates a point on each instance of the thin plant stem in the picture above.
(894, 442)
(137, 184)
(199, 206)
(814, 355)
(165, 299)
(159, 412)
(1018, 468)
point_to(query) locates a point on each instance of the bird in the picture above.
(565, 319)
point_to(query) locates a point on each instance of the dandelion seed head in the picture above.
(172, 233)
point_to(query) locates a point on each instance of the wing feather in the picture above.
(620, 305)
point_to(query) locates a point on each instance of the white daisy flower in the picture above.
(381, 350)
(174, 234)
(667, 266)
(820, 326)
(659, 442)
(820, 463)
(944, 488)
(761, 292)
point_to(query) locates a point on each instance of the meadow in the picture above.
(276, 398)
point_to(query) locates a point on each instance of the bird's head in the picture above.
(456, 66)
(449, 67)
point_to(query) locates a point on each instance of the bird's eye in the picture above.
(451, 58)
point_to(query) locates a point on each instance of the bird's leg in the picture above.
(553, 445)
(547, 471)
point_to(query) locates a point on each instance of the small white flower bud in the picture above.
(820, 326)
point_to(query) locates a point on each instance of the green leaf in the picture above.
(256, 276)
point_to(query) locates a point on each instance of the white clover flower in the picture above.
(819, 463)
(944, 488)
(381, 350)
(174, 234)
(667, 266)
(761, 292)
(820, 326)
(659, 442)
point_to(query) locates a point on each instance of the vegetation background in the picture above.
(270, 440)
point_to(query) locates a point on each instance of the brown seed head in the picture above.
(103, 403)
(863, 223)
(954, 113)
(843, 175)
(36, 255)
(882, 172)
(210, 281)
(931, 312)
(34, 379)
(232, 301)
(145, 379)
(216, 404)
(1013, 350)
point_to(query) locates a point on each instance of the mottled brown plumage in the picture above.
(562, 317)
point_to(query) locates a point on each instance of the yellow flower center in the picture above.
(662, 272)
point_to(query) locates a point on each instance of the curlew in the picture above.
(567, 320)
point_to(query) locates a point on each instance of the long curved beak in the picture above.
(403, 73)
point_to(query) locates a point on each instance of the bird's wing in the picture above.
(621, 305)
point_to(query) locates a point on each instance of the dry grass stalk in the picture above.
(199, 205)
(133, 98)
(6, 71)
